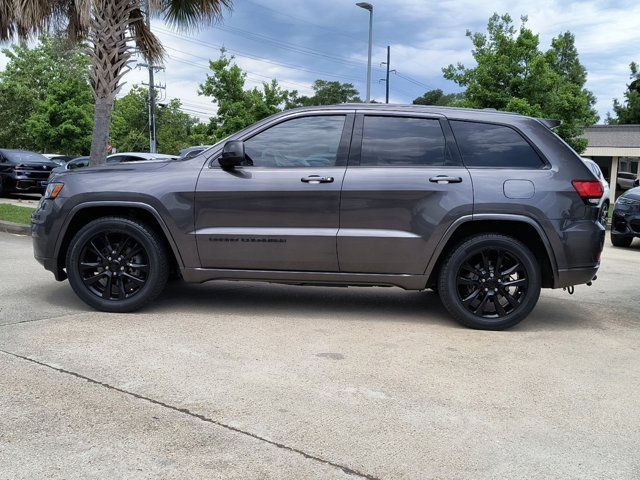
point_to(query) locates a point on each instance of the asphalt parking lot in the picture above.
(232, 380)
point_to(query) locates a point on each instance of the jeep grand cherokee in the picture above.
(485, 207)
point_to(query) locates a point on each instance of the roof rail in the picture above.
(550, 123)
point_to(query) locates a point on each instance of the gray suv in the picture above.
(484, 207)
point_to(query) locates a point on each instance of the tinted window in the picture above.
(301, 142)
(486, 145)
(398, 141)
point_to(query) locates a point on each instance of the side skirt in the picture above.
(408, 282)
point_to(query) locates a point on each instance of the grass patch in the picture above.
(15, 214)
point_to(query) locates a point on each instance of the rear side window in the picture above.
(402, 142)
(488, 145)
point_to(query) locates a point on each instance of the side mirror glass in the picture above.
(232, 154)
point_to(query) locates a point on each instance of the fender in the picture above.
(493, 216)
(117, 203)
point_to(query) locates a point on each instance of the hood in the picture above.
(633, 193)
(36, 165)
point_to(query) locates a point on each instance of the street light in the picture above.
(368, 6)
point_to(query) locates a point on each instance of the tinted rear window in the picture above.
(400, 141)
(488, 145)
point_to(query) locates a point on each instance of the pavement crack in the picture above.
(204, 418)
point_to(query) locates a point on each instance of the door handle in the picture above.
(445, 179)
(315, 179)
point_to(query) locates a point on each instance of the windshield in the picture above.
(20, 156)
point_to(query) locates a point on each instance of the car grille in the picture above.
(35, 172)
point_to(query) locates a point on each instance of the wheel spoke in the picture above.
(499, 261)
(106, 293)
(471, 297)
(136, 280)
(480, 308)
(84, 266)
(107, 243)
(123, 292)
(467, 281)
(123, 246)
(93, 279)
(515, 283)
(143, 267)
(510, 270)
(510, 298)
(134, 251)
(474, 270)
(499, 308)
(97, 251)
(485, 261)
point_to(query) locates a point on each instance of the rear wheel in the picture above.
(117, 264)
(604, 214)
(621, 240)
(490, 282)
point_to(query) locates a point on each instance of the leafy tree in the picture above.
(237, 107)
(114, 29)
(130, 125)
(328, 93)
(628, 111)
(513, 74)
(438, 97)
(46, 98)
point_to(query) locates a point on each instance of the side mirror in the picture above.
(232, 154)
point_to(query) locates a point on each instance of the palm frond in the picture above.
(188, 14)
(148, 44)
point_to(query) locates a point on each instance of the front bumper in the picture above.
(626, 220)
(44, 234)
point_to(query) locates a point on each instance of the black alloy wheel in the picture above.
(114, 265)
(490, 282)
(117, 264)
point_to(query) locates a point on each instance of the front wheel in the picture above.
(117, 264)
(490, 282)
(621, 240)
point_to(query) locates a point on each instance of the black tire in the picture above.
(621, 240)
(476, 297)
(136, 284)
(3, 193)
(604, 214)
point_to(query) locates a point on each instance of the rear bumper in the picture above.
(575, 276)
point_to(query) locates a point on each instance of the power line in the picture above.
(261, 59)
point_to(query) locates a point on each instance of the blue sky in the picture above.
(298, 41)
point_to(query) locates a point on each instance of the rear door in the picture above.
(404, 186)
(280, 210)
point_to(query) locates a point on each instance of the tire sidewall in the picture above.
(449, 283)
(115, 226)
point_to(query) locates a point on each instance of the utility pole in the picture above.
(152, 94)
(386, 83)
(369, 7)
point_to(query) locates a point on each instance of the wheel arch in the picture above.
(83, 213)
(523, 228)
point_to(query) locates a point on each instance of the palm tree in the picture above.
(113, 29)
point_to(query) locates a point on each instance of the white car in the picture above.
(604, 201)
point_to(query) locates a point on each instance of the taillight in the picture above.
(589, 190)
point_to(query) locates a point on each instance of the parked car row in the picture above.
(22, 171)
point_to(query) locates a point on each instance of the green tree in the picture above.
(438, 97)
(237, 107)
(174, 128)
(628, 111)
(328, 93)
(513, 74)
(115, 29)
(45, 97)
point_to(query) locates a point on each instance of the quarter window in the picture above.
(402, 142)
(300, 142)
(489, 145)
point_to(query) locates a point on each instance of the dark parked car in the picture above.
(191, 152)
(485, 207)
(81, 162)
(625, 223)
(23, 171)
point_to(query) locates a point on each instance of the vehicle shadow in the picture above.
(354, 303)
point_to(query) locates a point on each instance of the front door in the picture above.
(280, 209)
(405, 185)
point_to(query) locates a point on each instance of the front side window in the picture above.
(402, 142)
(489, 145)
(300, 142)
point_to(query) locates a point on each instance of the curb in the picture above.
(17, 228)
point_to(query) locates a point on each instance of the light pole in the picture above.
(368, 6)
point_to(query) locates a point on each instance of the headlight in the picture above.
(53, 190)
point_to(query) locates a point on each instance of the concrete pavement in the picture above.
(233, 380)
